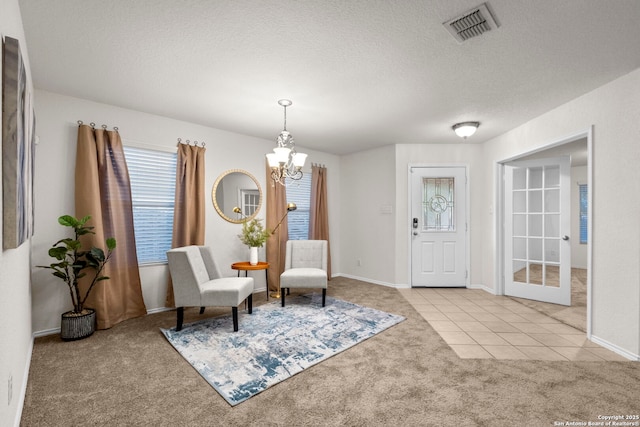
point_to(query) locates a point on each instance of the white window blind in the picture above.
(299, 192)
(153, 180)
(583, 212)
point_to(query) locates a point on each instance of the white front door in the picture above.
(537, 224)
(438, 226)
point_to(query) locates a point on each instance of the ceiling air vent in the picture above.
(472, 23)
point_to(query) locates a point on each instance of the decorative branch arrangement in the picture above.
(253, 233)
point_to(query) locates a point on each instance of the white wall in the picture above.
(377, 180)
(461, 154)
(15, 303)
(368, 230)
(613, 111)
(55, 161)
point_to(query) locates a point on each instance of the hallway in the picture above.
(479, 325)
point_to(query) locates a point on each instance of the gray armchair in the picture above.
(305, 266)
(197, 283)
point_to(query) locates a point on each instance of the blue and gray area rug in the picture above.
(274, 343)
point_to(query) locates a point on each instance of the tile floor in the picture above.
(478, 325)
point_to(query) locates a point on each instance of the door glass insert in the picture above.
(535, 201)
(520, 249)
(552, 276)
(535, 249)
(552, 250)
(519, 179)
(535, 177)
(535, 274)
(519, 225)
(552, 225)
(437, 204)
(552, 200)
(552, 177)
(520, 271)
(519, 202)
(536, 225)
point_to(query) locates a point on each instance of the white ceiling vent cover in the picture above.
(472, 23)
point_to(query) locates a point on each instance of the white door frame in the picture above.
(409, 229)
(499, 210)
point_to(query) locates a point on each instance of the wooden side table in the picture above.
(246, 267)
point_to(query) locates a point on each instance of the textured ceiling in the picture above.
(360, 73)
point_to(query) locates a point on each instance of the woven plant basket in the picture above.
(75, 326)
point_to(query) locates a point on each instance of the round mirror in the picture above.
(237, 196)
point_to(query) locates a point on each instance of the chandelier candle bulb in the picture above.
(282, 154)
(273, 160)
(299, 159)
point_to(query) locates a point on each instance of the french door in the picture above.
(537, 224)
(438, 226)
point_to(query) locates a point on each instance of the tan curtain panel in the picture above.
(189, 210)
(103, 191)
(319, 210)
(276, 244)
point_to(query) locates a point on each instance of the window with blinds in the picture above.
(583, 212)
(153, 180)
(299, 192)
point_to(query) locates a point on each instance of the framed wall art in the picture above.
(18, 138)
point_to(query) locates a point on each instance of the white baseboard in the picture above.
(621, 351)
(482, 287)
(404, 285)
(160, 310)
(25, 379)
(46, 332)
(54, 331)
(364, 279)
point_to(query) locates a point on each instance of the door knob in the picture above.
(565, 237)
(415, 233)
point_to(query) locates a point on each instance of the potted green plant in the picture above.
(73, 263)
(254, 235)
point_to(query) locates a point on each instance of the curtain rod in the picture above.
(93, 125)
(187, 142)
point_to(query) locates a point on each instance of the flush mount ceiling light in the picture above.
(465, 129)
(285, 162)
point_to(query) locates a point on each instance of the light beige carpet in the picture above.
(406, 376)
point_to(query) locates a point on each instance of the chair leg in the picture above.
(282, 292)
(180, 315)
(201, 310)
(250, 298)
(234, 311)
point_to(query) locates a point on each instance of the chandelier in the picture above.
(285, 162)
